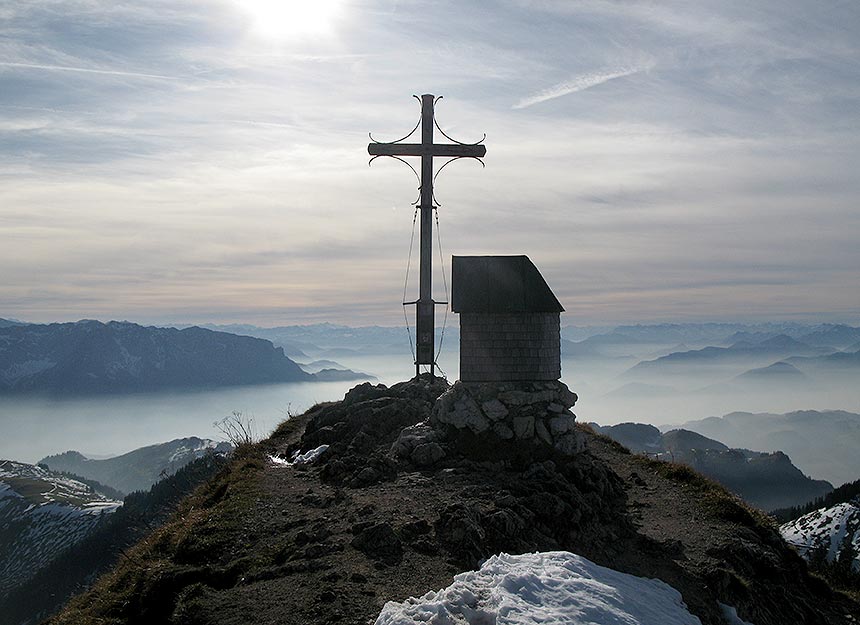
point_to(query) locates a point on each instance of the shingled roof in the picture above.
(500, 284)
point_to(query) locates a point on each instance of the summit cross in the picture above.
(425, 305)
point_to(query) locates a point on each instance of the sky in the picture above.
(191, 161)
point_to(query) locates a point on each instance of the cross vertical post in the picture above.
(425, 305)
(425, 315)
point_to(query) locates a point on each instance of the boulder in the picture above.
(427, 454)
(413, 437)
(379, 542)
(494, 409)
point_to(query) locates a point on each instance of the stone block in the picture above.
(541, 432)
(494, 409)
(570, 444)
(514, 398)
(566, 396)
(503, 431)
(464, 414)
(524, 427)
(561, 425)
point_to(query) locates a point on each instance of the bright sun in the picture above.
(286, 19)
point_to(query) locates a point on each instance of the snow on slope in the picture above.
(552, 588)
(827, 529)
(140, 468)
(192, 448)
(42, 513)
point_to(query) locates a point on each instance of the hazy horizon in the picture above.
(802, 319)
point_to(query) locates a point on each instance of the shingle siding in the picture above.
(510, 347)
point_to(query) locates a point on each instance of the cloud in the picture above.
(86, 70)
(241, 188)
(578, 83)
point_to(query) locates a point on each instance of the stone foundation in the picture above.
(516, 415)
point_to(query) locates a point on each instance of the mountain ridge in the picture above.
(822, 443)
(766, 480)
(91, 357)
(139, 469)
(336, 538)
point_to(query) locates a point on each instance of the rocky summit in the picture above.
(391, 492)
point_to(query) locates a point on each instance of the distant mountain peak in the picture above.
(88, 357)
(779, 370)
(782, 340)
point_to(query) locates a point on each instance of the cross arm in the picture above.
(418, 149)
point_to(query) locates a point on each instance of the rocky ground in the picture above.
(411, 491)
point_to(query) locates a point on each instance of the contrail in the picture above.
(252, 122)
(578, 83)
(86, 70)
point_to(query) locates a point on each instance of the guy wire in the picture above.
(445, 282)
(406, 285)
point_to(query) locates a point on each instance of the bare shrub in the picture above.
(239, 429)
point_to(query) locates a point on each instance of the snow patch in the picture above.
(278, 461)
(101, 507)
(183, 451)
(551, 588)
(306, 458)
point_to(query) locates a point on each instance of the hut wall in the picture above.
(510, 346)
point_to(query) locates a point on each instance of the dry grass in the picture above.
(717, 500)
(205, 526)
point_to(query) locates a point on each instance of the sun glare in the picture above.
(286, 19)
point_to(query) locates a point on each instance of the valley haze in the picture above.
(617, 371)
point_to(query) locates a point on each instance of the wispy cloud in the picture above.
(86, 70)
(252, 122)
(578, 83)
(40, 109)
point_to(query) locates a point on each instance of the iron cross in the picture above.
(425, 305)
